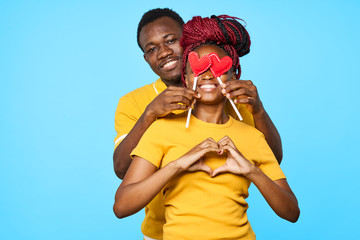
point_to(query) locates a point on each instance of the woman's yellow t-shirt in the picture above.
(196, 205)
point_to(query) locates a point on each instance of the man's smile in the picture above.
(169, 64)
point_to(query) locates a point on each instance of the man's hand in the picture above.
(245, 92)
(172, 98)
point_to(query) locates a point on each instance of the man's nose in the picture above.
(164, 51)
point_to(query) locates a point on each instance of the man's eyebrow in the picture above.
(169, 35)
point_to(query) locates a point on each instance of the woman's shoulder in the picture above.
(171, 120)
(246, 129)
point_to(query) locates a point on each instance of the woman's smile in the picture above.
(208, 87)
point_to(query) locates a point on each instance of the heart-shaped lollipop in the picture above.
(219, 66)
(198, 65)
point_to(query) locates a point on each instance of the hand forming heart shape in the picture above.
(235, 163)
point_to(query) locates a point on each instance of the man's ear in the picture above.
(145, 58)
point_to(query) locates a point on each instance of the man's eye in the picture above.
(171, 41)
(151, 50)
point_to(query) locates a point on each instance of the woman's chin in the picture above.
(211, 100)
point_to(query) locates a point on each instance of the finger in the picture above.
(249, 82)
(241, 92)
(181, 99)
(206, 168)
(226, 140)
(189, 93)
(232, 150)
(209, 141)
(181, 91)
(248, 100)
(209, 148)
(177, 106)
(223, 140)
(221, 169)
(232, 85)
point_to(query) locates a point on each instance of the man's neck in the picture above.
(176, 83)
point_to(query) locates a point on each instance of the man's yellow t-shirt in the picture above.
(196, 205)
(130, 108)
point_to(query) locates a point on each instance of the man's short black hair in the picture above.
(154, 14)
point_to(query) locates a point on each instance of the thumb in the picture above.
(221, 169)
(170, 115)
(206, 169)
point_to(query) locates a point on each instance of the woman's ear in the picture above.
(186, 81)
(233, 77)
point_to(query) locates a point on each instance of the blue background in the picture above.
(65, 64)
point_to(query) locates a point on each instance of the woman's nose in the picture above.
(207, 75)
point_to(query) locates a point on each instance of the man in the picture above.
(159, 33)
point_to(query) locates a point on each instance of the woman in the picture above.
(204, 189)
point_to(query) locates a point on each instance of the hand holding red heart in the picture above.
(243, 92)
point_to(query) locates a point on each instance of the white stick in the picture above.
(189, 112)
(232, 103)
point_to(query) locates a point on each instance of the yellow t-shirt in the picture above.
(130, 108)
(196, 205)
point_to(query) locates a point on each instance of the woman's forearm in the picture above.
(277, 194)
(132, 197)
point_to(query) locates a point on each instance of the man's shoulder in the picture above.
(147, 89)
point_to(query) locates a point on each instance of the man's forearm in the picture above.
(121, 157)
(264, 124)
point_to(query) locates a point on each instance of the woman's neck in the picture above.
(211, 113)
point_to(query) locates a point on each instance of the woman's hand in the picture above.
(235, 163)
(192, 160)
(245, 92)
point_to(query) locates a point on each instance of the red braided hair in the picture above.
(224, 31)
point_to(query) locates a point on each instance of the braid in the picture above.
(222, 27)
(223, 31)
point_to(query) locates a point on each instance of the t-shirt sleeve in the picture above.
(126, 116)
(150, 146)
(248, 118)
(268, 163)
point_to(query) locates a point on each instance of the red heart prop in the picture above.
(219, 66)
(198, 65)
